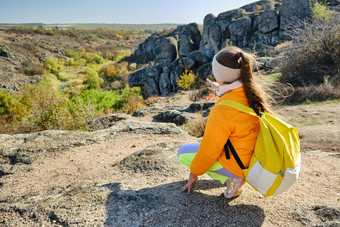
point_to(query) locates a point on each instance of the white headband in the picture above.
(224, 73)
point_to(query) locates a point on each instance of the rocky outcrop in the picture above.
(25, 148)
(192, 48)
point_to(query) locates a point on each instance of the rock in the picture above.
(204, 71)
(173, 116)
(268, 21)
(200, 57)
(187, 63)
(292, 11)
(26, 148)
(107, 121)
(148, 79)
(240, 30)
(189, 38)
(132, 66)
(259, 5)
(4, 52)
(157, 158)
(199, 106)
(167, 52)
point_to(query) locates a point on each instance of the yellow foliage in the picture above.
(187, 80)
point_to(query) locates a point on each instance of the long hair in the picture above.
(234, 57)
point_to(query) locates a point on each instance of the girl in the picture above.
(232, 69)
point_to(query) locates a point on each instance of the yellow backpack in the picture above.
(275, 164)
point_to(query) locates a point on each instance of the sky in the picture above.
(113, 11)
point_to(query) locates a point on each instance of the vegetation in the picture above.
(187, 80)
(321, 12)
(196, 127)
(311, 65)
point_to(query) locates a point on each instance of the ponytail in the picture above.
(236, 58)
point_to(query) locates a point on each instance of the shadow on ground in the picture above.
(166, 205)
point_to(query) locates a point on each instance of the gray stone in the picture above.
(259, 5)
(4, 52)
(198, 107)
(187, 63)
(189, 38)
(199, 56)
(167, 51)
(268, 21)
(172, 116)
(240, 30)
(107, 121)
(292, 11)
(204, 70)
(148, 78)
(26, 148)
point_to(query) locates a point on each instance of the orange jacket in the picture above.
(225, 122)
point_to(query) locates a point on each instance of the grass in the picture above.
(305, 122)
(273, 77)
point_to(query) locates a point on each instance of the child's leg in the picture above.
(186, 154)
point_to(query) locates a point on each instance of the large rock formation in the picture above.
(257, 24)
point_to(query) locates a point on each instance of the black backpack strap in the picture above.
(228, 146)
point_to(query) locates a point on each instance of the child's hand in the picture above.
(213, 85)
(193, 179)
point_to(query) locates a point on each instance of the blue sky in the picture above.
(113, 11)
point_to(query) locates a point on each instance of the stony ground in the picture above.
(128, 176)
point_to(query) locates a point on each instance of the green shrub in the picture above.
(54, 65)
(187, 80)
(93, 58)
(128, 100)
(321, 12)
(92, 79)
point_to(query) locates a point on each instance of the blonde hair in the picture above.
(234, 57)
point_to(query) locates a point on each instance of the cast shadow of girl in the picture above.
(166, 205)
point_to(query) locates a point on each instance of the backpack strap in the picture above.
(228, 146)
(238, 106)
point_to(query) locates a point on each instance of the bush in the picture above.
(54, 65)
(50, 109)
(92, 79)
(128, 100)
(196, 127)
(315, 55)
(187, 80)
(321, 12)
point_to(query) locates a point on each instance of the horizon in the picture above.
(113, 12)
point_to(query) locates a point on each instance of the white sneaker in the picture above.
(233, 187)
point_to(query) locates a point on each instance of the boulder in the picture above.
(204, 70)
(189, 38)
(172, 116)
(292, 11)
(107, 121)
(199, 56)
(268, 21)
(198, 107)
(167, 51)
(187, 63)
(148, 79)
(4, 52)
(240, 31)
(259, 5)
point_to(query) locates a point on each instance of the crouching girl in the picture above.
(232, 69)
